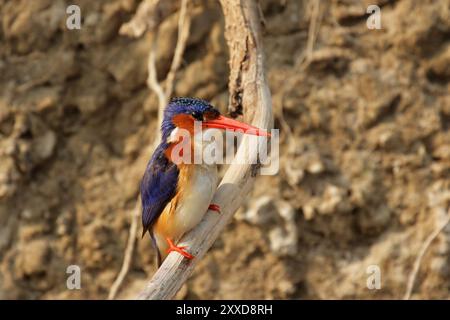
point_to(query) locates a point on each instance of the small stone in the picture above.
(308, 211)
(333, 196)
(315, 167)
(286, 287)
(45, 145)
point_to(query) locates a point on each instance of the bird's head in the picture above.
(183, 112)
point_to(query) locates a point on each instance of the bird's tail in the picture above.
(161, 247)
(155, 245)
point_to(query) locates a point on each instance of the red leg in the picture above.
(214, 207)
(180, 250)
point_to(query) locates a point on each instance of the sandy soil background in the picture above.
(365, 152)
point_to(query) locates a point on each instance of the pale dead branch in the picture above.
(313, 30)
(134, 28)
(413, 275)
(250, 93)
(152, 80)
(148, 16)
(184, 23)
(129, 250)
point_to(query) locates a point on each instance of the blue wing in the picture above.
(158, 187)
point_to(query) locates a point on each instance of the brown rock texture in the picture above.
(364, 174)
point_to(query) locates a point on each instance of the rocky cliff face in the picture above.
(365, 149)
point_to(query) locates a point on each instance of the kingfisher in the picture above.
(176, 195)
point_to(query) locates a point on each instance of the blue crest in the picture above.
(179, 106)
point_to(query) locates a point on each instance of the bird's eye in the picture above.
(197, 115)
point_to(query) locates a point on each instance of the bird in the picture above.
(176, 195)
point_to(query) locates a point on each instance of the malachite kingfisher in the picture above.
(176, 195)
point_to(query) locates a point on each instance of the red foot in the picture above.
(180, 250)
(214, 207)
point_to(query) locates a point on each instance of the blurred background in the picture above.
(364, 179)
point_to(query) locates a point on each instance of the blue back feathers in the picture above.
(159, 184)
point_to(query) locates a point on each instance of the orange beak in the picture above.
(225, 123)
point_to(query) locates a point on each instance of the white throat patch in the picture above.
(174, 135)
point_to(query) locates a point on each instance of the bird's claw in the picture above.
(180, 250)
(214, 207)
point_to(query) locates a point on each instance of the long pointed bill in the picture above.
(225, 123)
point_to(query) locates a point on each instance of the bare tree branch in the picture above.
(314, 26)
(129, 250)
(152, 80)
(249, 92)
(148, 16)
(184, 23)
(151, 8)
(413, 275)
